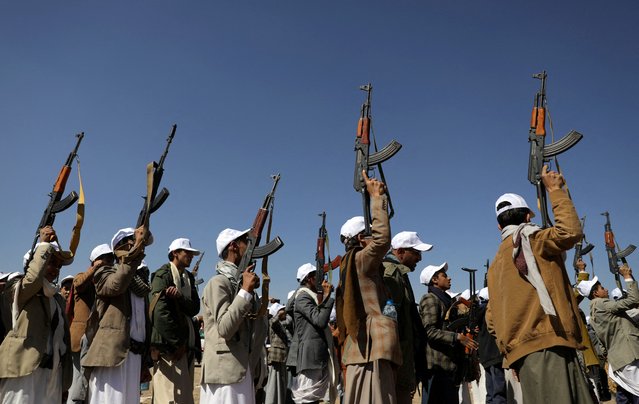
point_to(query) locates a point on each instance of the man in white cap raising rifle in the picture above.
(370, 339)
(81, 301)
(117, 331)
(233, 338)
(406, 252)
(174, 301)
(532, 312)
(35, 360)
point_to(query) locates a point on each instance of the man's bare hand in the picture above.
(552, 180)
(47, 234)
(625, 271)
(581, 265)
(467, 342)
(373, 186)
(327, 288)
(172, 292)
(250, 281)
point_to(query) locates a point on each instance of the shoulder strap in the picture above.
(154, 301)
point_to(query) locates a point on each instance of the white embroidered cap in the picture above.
(516, 201)
(616, 294)
(427, 273)
(102, 249)
(183, 244)
(275, 308)
(352, 227)
(225, 237)
(124, 233)
(304, 270)
(409, 239)
(483, 294)
(585, 287)
(67, 259)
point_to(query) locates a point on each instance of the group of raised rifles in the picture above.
(115, 328)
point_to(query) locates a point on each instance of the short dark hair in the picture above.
(591, 295)
(514, 216)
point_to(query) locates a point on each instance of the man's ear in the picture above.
(499, 227)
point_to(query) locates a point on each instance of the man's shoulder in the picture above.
(164, 270)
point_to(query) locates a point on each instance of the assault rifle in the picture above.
(56, 203)
(541, 154)
(365, 160)
(580, 249)
(196, 268)
(611, 248)
(154, 199)
(255, 251)
(320, 259)
(467, 324)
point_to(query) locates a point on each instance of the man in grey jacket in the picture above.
(311, 328)
(616, 331)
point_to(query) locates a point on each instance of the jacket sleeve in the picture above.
(83, 279)
(113, 280)
(318, 316)
(567, 229)
(621, 305)
(228, 310)
(32, 281)
(370, 257)
(431, 319)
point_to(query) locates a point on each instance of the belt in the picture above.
(136, 347)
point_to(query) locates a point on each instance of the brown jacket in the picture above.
(378, 333)
(84, 297)
(108, 328)
(25, 345)
(517, 319)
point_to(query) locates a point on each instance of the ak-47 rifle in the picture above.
(255, 251)
(320, 259)
(196, 268)
(154, 199)
(611, 248)
(365, 160)
(540, 154)
(580, 249)
(467, 324)
(56, 203)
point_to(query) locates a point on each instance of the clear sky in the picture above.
(267, 87)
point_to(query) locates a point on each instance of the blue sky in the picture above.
(258, 88)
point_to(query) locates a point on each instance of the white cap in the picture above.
(616, 294)
(409, 239)
(124, 233)
(353, 227)
(275, 308)
(483, 294)
(584, 287)
(466, 294)
(290, 294)
(225, 237)
(452, 294)
(183, 244)
(66, 278)
(13, 275)
(102, 249)
(56, 247)
(428, 272)
(304, 270)
(516, 201)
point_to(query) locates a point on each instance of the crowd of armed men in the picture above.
(108, 329)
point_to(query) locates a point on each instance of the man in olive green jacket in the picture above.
(35, 356)
(175, 301)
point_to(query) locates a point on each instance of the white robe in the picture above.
(237, 393)
(121, 384)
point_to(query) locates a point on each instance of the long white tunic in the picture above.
(121, 384)
(237, 393)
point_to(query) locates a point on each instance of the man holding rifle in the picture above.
(371, 340)
(232, 338)
(35, 356)
(535, 317)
